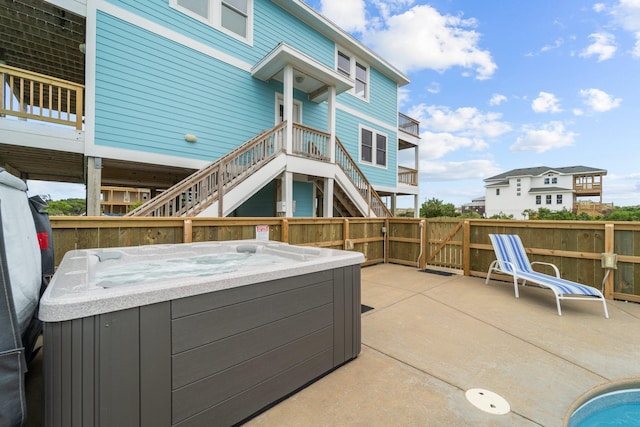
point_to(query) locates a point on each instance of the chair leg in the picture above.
(491, 267)
(515, 286)
(606, 312)
(558, 303)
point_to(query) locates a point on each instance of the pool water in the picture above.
(206, 265)
(617, 408)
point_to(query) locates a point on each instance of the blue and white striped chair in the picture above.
(513, 261)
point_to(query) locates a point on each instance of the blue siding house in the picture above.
(221, 107)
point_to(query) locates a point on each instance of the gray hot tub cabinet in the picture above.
(213, 358)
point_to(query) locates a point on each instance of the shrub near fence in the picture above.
(445, 243)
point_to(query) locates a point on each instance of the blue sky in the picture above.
(499, 85)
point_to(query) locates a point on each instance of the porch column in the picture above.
(416, 207)
(94, 180)
(327, 200)
(331, 121)
(288, 106)
(393, 203)
(287, 193)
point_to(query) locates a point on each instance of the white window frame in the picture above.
(548, 199)
(538, 200)
(558, 199)
(215, 18)
(353, 60)
(374, 148)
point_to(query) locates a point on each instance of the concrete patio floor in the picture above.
(430, 338)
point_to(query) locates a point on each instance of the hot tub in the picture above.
(166, 335)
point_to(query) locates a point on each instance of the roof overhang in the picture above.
(310, 76)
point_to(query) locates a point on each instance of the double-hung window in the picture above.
(233, 17)
(356, 70)
(373, 147)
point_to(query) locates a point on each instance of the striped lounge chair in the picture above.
(513, 261)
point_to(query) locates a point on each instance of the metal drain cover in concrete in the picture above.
(487, 401)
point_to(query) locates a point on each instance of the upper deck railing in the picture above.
(30, 95)
(409, 125)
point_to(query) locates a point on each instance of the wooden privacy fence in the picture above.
(440, 243)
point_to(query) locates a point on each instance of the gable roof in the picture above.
(541, 170)
(324, 26)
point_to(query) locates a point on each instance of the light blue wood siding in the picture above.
(272, 25)
(151, 91)
(348, 131)
(303, 195)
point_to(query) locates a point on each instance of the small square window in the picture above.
(497, 191)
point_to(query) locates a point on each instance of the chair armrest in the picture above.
(549, 264)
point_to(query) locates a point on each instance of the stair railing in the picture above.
(358, 179)
(198, 191)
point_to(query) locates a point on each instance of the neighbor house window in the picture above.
(497, 191)
(373, 147)
(549, 199)
(559, 199)
(554, 180)
(234, 17)
(538, 200)
(546, 180)
(356, 70)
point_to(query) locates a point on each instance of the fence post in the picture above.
(609, 248)
(187, 236)
(285, 230)
(466, 248)
(345, 233)
(423, 244)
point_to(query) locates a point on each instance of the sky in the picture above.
(499, 85)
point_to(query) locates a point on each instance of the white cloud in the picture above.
(546, 103)
(627, 14)
(599, 7)
(551, 135)
(350, 15)
(465, 128)
(466, 121)
(603, 46)
(636, 47)
(599, 100)
(497, 99)
(437, 145)
(422, 38)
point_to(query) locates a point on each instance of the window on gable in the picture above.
(554, 180)
(355, 70)
(546, 180)
(231, 16)
(361, 80)
(373, 147)
(234, 16)
(344, 64)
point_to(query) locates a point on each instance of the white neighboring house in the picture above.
(513, 192)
